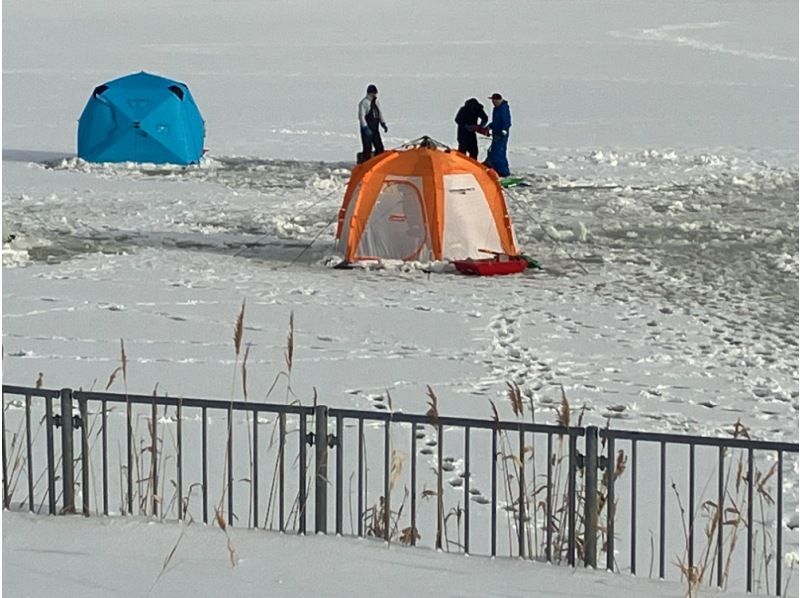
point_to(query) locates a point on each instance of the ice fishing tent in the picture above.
(423, 202)
(141, 118)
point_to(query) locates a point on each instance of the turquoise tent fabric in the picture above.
(141, 118)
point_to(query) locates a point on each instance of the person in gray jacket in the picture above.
(370, 120)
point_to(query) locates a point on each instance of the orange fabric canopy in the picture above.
(434, 204)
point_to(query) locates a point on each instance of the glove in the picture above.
(366, 131)
(385, 127)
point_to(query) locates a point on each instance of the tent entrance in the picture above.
(397, 227)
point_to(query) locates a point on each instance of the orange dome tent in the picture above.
(423, 202)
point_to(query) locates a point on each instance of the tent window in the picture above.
(99, 89)
(177, 91)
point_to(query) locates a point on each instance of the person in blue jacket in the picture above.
(500, 125)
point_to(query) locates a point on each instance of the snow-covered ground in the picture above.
(59, 557)
(660, 140)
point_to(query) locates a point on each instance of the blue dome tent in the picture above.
(141, 118)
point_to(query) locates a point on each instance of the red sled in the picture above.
(492, 266)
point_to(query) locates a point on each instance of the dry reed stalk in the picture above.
(505, 456)
(238, 334)
(456, 512)
(124, 359)
(185, 523)
(693, 574)
(289, 355)
(564, 411)
(14, 455)
(375, 521)
(289, 361)
(433, 414)
(251, 520)
(297, 506)
(232, 555)
(41, 476)
(123, 508)
(532, 496)
(515, 398)
(791, 560)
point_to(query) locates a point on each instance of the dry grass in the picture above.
(733, 520)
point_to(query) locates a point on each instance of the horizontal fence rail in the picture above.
(664, 505)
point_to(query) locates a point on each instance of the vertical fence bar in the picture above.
(549, 499)
(494, 491)
(466, 489)
(302, 491)
(104, 441)
(662, 514)
(6, 496)
(720, 511)
(230, 465)
(521, 490)
(590, 497)
(611, 499)
(360, 477)
(691, 506)
(387, 491)
(633, 507)
(205, 463)
(414, 484)
(29, 446)
(179, 457)
(51, 459)
(85, 491)
(571, 500)
(339, 474)
(750, 475)
(129, 448)
(321, 474)
(254, 476)
(282, 471)
(67, 452)
(439, 486)
(779, 524)
(154, 455)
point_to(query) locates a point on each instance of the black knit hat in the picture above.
(372, 89)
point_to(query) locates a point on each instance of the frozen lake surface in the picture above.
(660, 145)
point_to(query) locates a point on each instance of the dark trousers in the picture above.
(370, 141)
(468, 144)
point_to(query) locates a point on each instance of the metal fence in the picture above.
(555, 493)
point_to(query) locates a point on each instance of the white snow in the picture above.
(69, 556)
(660, 141)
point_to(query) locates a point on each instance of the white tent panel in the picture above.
(468, 222)
(396, 227)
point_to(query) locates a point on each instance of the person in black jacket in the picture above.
(470, 118)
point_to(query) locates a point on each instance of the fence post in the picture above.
(321, 477)
(67, 454)
(590, 498)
